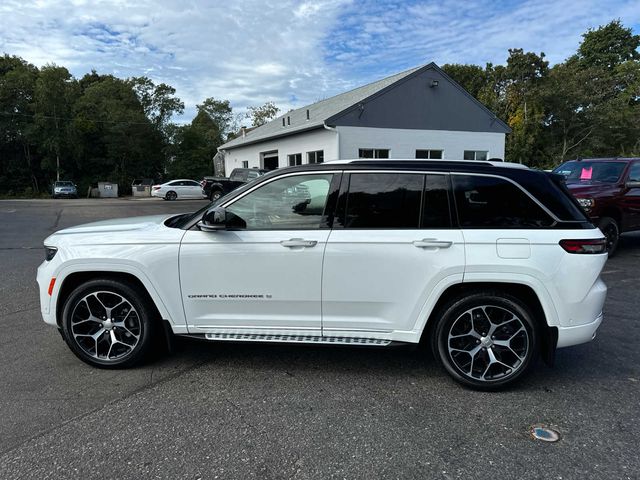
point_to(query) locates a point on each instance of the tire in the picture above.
(102, 310)
(171, 195)
(611, 231)
(474, 358)
(215, 195)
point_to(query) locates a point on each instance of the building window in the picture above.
(475, 154)
(295, 159)
(315, 157)
(373, 153)
(429, 154)
(245, 164)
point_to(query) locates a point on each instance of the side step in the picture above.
(256, 337)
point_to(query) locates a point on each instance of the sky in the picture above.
(290, 52)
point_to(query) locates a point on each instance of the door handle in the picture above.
(298, 242)
(432, 243)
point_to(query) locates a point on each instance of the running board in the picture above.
(256, 337)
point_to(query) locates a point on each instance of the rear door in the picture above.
(391, 248)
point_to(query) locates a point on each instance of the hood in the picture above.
(591, 189)
(119, 230)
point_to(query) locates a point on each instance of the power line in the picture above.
(51, 117)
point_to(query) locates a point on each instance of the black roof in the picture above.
(475, 166)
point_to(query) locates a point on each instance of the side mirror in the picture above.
(632, 184)
(213, 220)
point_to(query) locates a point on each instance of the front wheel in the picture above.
(108, 323)
(609, 227)
(485, 340)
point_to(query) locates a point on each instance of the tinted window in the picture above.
(634, 172)
(192, 183)
(295, 202)
(590, 172)
(384, 200)
(435, 209)
(489, 202)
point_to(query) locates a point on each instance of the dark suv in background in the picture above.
(608, 189)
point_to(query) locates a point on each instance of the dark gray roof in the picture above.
(296, 121)
(318, 112)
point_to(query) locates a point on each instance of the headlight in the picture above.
(49, 253)
(586, 203)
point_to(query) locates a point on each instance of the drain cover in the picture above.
(544, 433)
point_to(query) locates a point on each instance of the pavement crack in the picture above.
(57, 220)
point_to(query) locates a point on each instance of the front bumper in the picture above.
(568, 336)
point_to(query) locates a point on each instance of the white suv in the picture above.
(491, 264)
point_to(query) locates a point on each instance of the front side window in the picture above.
(491, 202)
(429, 154)
(373, 153)
(383, 200)
(315, 157)
(634, 172)
(290, 203)
(295, 159)
(192, 183)
(475, 154)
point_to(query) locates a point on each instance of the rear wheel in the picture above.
(611, 231)
(485, 340)
(215, 195)
(171, 195)
(108, 323)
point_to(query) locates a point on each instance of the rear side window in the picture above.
(384, 200)
(491, 202)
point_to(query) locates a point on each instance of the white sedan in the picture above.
(176, 189)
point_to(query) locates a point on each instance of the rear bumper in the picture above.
(568, 336)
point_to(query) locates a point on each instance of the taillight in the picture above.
(156, 187)
(597, 245)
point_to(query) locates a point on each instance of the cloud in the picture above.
(290, 52)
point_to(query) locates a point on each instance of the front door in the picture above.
(631, 198)
(391, 246)
(263, 275)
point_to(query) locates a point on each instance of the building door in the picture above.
(269, 160)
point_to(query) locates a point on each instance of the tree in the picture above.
(17, 162)
(158, 101)
(54, 95)
(262, 114)
(609, 46)
(220, 112)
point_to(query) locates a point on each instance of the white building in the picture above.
(420, 113)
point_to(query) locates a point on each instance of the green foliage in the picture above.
(588, 105)
(262, 114)
(99, 127)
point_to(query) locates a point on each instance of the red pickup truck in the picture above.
(608, 189)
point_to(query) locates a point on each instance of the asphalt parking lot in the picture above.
(263, 411)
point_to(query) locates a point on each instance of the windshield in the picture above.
(64, 184)
(590, 172)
